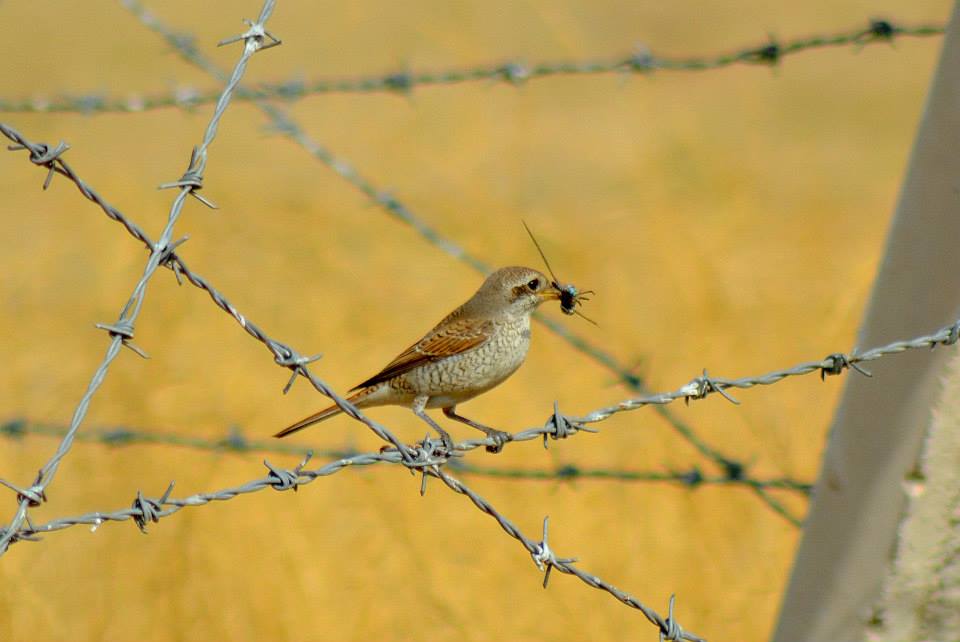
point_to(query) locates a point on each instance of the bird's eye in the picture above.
(533, 284)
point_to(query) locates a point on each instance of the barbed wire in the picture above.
(642, 62)
(547, 560)
(236, 441)
(431, 455)
(284, 355)
(289, 358)
(122, 330)
(833, 364)
(426, 454)
(284, 124)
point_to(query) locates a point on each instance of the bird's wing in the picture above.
(446, 340)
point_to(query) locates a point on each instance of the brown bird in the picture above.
(473, 349)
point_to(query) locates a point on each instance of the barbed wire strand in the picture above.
(547, 560)
(281, 122)
(235, 441)
(426, 454)
(181, 43)
(288, 357)
(286, 126)
(122, 330)
(641, 62)
(145, 510)
(832, 364)
(284, 355)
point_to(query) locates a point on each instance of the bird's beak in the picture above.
(549, 295)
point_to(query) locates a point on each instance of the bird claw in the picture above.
(499, 438)
(447, 440)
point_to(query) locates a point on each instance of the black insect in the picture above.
(570, 296)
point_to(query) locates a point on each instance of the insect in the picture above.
(570, 296)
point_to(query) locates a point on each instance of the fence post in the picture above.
(878, 429)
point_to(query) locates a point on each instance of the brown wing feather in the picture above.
(446, 340)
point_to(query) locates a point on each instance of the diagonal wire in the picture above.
(512, 73)
(544, 557)
(284, 355)
(122, 331)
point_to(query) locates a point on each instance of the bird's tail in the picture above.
(326, 413)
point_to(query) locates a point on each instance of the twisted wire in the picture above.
(122, 330)
(235, 441)
(283, 354)
(833, 364)
(513, 74)
(146, 510)
(285, 125)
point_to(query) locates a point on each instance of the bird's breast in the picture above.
(466, 375)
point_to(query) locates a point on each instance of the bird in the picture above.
(471, 350)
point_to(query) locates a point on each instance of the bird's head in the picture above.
(516, 290)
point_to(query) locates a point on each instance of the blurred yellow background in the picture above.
(729, 219)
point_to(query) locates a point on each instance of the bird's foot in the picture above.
(446, 439)
(499, 438)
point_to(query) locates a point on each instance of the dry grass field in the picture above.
(728, 219)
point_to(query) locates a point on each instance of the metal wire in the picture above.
(641, 62)
(284, 355)
(284, 124)
(429, 456)
(547, 560)
(832, 364)
(145, 510)
(235, 441)
(122, 330)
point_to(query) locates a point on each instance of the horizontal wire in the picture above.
(641, 62)
(235, 441)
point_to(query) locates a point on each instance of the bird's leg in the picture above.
(418, 405)
(499, 437)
